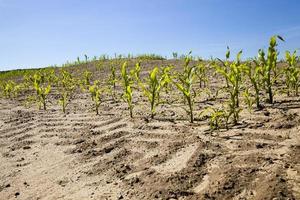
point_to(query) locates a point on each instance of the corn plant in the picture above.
(78, 60)
(127, 87)
(201, 73)
(7, 89)
(175, 55)
(185, 86)
(27, 81)
(269, 65)
(94, 58)
(85, 82)
(66, 87)
(152, 87)
(292, 73)
(253, 72)
(186, 62)
(166, 76)
(232, 75)
(225, 65)
(218, 117)
(42, 88)
(96, 91)
(187, 59)
(248, 99)
(50, 76)
(137, 71)
(100, 65)
(113, 77)
(10, 89)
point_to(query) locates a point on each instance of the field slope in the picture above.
(78, 155)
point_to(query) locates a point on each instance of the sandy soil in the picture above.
(49, 155)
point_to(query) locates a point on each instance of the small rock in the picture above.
(228, 186)
(266, 113)
(259, 146)
(282, 180)
(79, 141)
(108, 149)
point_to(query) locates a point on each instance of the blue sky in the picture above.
(37, 33)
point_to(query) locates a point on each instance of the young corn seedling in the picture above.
(225, 65)
(187, 59)
(233, 79)
(127, 87)
(253, 72)
(152, 88)
(202, 74)
(135, 74)
(50, 76)
(94, 58)
(66, 87)
(78, 60)
(27, 81)
(166, 76)
(113, 77)
(7, 89)
(175, 55)
(292, 73)
(42, 88)
(137, 71)
(269, 65)
(248, 99)
(86, 80)
(185, 86)
(218, 117)
(96, 92)
(100, 65)
(10, 89)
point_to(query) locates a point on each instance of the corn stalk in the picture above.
(269, 65)
(233, 76)
(96, 92)
(292, 73)
(127, 87)
(253, 72)
(42, 88)
(185, 86)
(66, 87)
(152, 87)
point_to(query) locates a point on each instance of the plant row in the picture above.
(252, 81)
